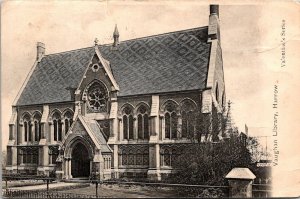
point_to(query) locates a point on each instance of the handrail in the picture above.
(16, 177)
(163, 184)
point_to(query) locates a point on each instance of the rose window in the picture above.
(97, 97)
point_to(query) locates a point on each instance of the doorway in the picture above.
(80, 165)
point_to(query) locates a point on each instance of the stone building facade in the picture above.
(121, 109)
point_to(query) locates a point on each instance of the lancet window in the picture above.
(171, 120)
(143, 122)
(128, 123)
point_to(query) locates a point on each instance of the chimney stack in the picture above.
(214, 9)
(40, 50)
(214, 24)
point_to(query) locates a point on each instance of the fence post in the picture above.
(47, 185)
(240, 182)
(96, 189)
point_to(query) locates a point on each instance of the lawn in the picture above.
(21, 183)
(125, 191)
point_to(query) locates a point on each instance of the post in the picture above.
(6, 184)
(240, 182)
(96, 188)
(47, 185)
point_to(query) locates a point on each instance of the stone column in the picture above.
(70, 167)
(154, 163)
(33, 132)
(51, 132)
(21, 134)
(240, 182)
(116, 161)
(179, 129)
(163, 127)
(45, 156)
(66, 163)
(62, 128)
(114, 127)
(135, 132)
(121, 129)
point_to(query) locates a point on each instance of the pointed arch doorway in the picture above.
(80, 165)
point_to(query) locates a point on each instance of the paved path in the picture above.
(44, 186)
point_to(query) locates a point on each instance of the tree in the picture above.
(208, 162)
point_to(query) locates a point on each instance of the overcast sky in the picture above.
(250, 36)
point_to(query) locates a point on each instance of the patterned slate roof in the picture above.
(94, 126)
(175, 61)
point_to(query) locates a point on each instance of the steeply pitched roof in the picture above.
(168, 62)
(95, 128)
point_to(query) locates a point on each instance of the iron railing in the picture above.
(8, 193)
(261, 191)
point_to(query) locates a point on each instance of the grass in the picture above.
(125, 191)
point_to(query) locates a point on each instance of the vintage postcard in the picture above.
(150, 99)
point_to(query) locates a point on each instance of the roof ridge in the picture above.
(161, 34)
(139, 38)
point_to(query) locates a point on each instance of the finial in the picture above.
(116, 36)
(229, 103)
(116, 31)
(96, 41)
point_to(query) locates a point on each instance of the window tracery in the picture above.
(143, 122)
(37, 127)
(57, 126)
(128, 123)
(171, 120)
(169, 155)
(27, 128)
(29, 155)
(134, 155)
(188, 118)
(97, 97)
(53, 154)
(68, 121)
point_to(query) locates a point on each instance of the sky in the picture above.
(250, 40)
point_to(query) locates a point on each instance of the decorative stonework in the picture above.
(96, 96)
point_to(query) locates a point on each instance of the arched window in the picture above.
(57, 125)
(188, 118)
(143, 123)
(171, 120)
(27, 128)
(68, 121)
(37, 127)
(166, 157)
(127, 123)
